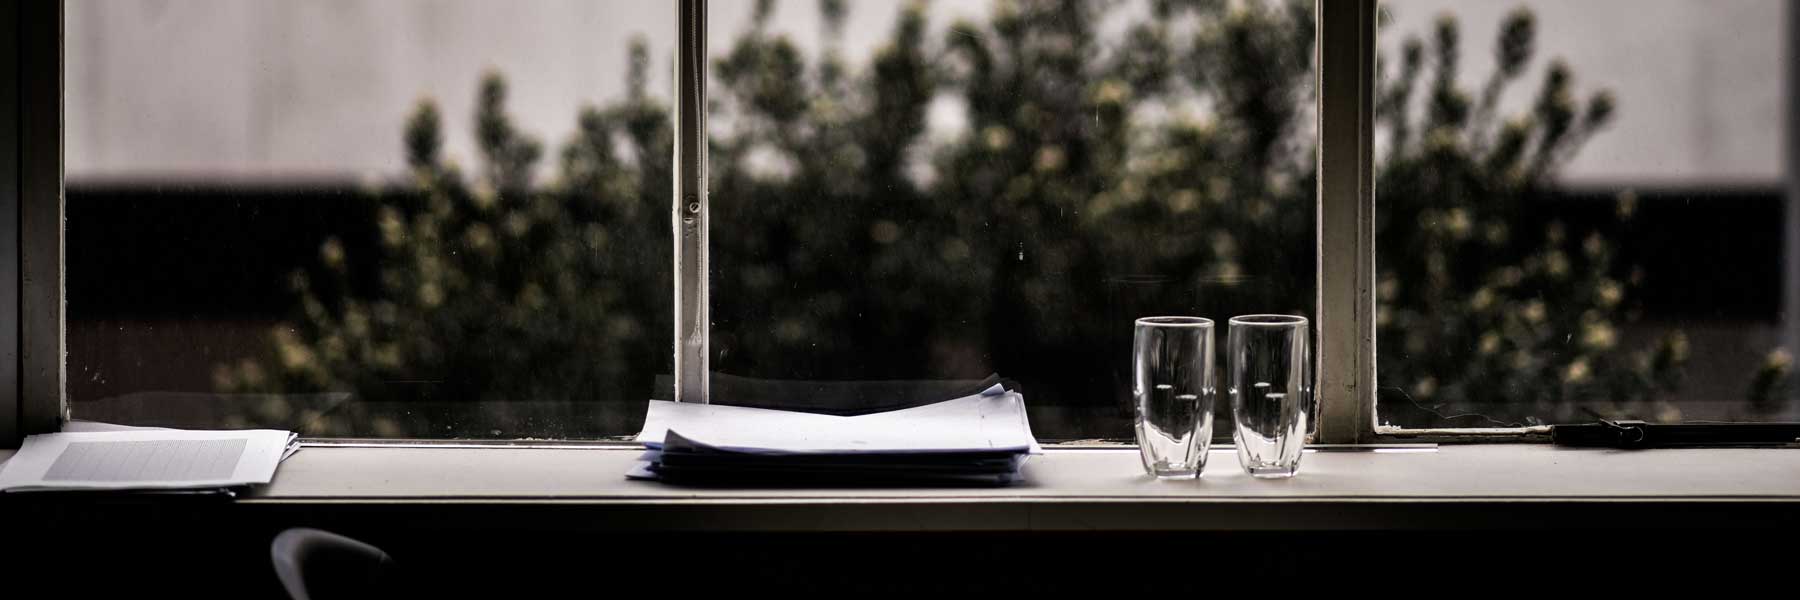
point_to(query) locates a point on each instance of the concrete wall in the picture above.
(283, 89)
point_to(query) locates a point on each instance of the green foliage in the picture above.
(492, 289)
(1094, 182)
(1479, 305)
(1769, 386)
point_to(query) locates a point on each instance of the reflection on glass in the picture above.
(939, 191)
(1579, 212)
(370, 219)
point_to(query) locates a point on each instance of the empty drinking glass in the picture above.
(1172, 386)
(1271, 392)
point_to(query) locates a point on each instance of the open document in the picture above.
(146, 459)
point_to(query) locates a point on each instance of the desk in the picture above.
(1081, 512)
(1496, 485)
(1066, 488)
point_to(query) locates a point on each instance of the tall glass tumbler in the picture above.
(1172, 386)
(1271, 392)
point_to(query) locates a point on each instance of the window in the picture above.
(1581, 215)
(368, 219)
(1539, 225)
(906, 192)
(905, 198)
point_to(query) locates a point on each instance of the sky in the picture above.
(273, 89)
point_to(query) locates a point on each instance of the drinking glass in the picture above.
(1271, 392)
(1172, 386)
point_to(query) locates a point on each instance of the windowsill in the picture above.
(1462, 486)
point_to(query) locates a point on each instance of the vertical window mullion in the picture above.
(690, 210)
(10, 151)
(34, 361)
(1346, 220)
(31, 339)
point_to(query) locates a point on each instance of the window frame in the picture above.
(1345, 380)
(33, 397)
(690, 215)
(31, 220)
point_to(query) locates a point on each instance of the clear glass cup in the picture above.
(1172, 387)
(1271, 392)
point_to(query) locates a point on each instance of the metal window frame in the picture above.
(1345, 381)
(691, 211)
(31, 219)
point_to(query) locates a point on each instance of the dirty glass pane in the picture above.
(1581, 212)
(908, 197)
(377, 218)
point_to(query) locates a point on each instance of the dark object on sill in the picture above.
(320, 565)
(1639, 434)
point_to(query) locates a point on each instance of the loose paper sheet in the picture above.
(993, 420)
(145, 459)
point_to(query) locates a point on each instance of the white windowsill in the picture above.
(1072, 489)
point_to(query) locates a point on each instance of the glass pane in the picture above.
(1581, 212)
(908, 197)
(379, 218)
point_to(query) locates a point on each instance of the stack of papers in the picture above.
(91, 456)
(981, 438)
